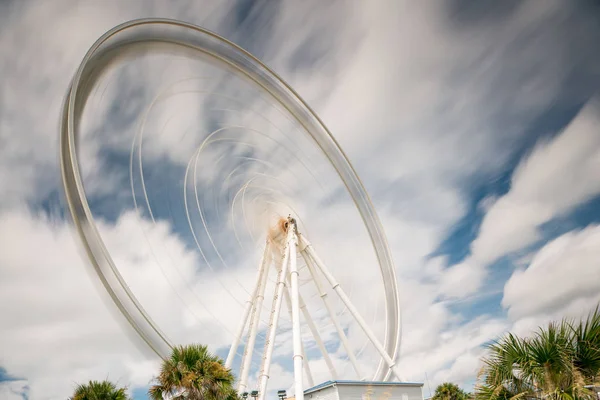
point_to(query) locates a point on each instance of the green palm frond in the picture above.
(449, 391)
(559, 362)
(96, 390)
(199, 373)
(587, 346)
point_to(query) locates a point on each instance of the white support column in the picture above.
(254, 321)
(340, 292)
(288, 302)
(296, 333)
(317, 281)
(263, 377)
(309, 377)
(317, 337)
(249, 304)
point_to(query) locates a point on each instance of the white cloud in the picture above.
(565, 271)
(453, 353)
(560, 281)
(390, 84)
(13, 390)
(460, 279)
(463, 370)
(40, 54)
(54, 310)
(557, 176)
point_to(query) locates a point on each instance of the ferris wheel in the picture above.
(249, 177)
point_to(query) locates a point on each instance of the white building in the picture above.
(360, 390)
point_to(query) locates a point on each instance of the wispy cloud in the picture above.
(432, 102)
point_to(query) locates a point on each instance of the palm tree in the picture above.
(95, 390)
(561, 361)
(449, 391)
(193, 373)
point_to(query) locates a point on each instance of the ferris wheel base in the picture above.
(283, 246)
(349, 389)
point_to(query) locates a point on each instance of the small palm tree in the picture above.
(561, 361)
(449, 391)
(193, 373)
(94, 390)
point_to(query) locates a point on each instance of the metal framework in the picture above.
(142, 35)
(290, 242)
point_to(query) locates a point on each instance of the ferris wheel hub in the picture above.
(278, 233)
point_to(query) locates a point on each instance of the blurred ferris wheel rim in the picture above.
(138, 35)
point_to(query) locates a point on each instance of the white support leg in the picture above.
(288, 302)
(249, 304)
(317, 337)
(340, 292)
(296, 333)
(275, 310)
(316, 279)
(254, 321)
(309, 377)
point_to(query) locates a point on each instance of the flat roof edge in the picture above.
(327, 384)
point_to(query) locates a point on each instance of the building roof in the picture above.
(361, 383)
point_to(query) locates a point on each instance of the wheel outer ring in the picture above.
(139, 34)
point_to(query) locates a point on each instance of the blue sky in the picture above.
(473, 125)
